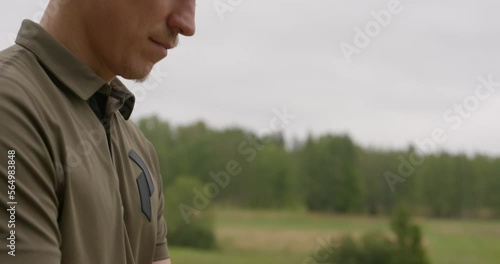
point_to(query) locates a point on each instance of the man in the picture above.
(80, 183)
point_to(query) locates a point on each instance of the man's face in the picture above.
(130, 36)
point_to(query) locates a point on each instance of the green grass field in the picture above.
(289, 237)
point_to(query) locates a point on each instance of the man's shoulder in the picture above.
(23, 79)
(18, 68)
(16, 59)
(19, 107)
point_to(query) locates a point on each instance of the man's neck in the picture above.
(67, 27)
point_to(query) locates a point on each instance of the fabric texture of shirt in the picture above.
(87, 184)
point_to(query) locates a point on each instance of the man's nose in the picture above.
(183, 19)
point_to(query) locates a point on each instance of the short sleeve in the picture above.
(27, 180)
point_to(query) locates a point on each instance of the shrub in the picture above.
(375, 248)
(198, 231)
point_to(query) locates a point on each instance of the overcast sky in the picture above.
(249, 57)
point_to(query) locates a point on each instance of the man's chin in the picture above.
(140, 80)
(137, 75)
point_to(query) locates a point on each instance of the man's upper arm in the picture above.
(30, 177)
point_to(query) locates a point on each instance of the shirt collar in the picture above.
(67, 68)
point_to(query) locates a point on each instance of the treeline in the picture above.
(330, 173)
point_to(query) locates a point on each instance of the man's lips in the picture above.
(163, 44)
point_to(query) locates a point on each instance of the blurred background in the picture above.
(293, 131)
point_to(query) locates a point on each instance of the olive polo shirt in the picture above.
(74, 188)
